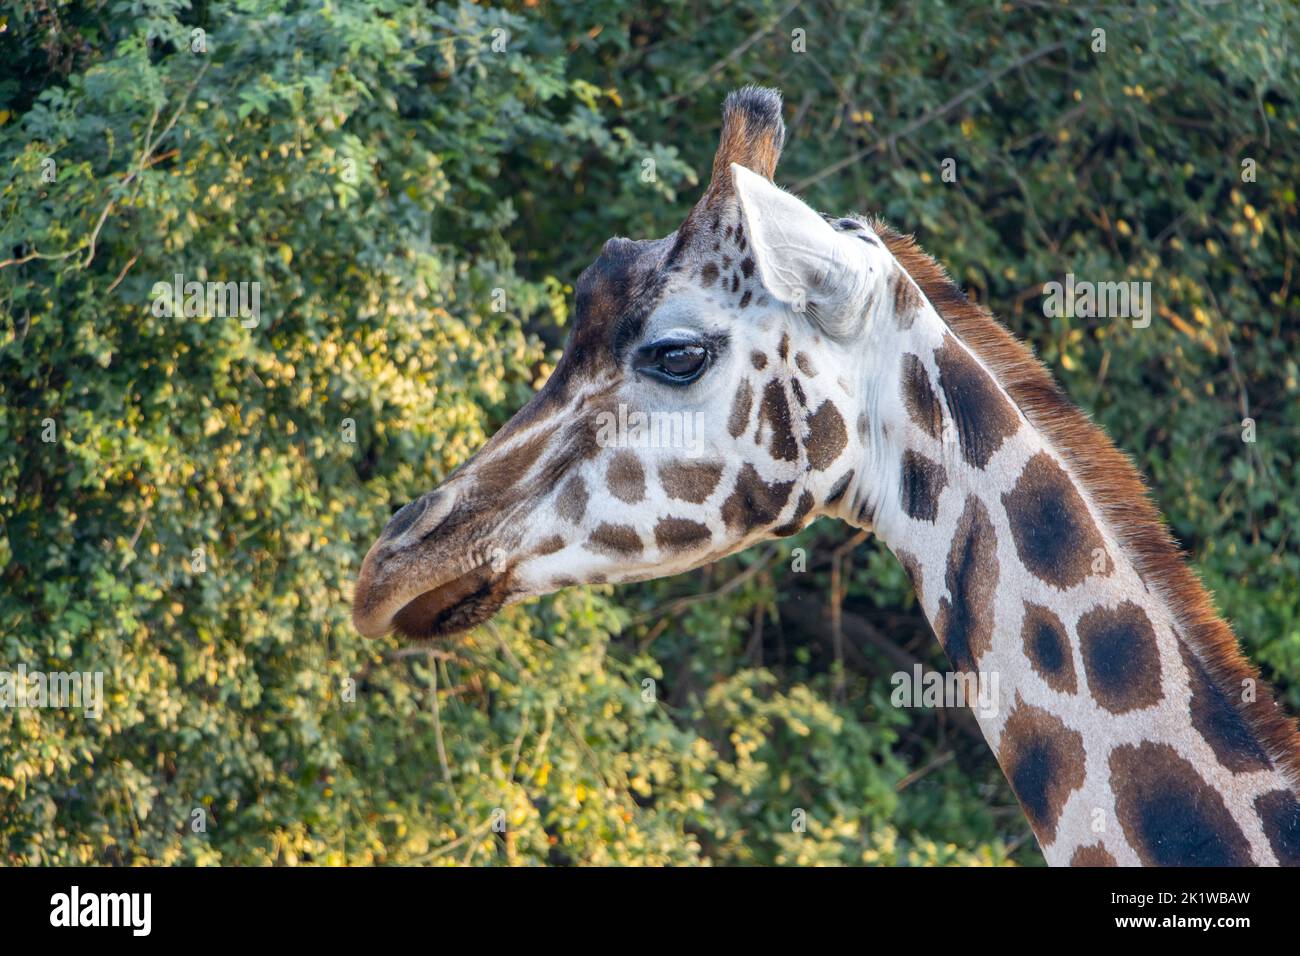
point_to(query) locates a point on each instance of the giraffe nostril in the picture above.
(406, 516)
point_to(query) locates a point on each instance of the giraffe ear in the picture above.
(802, 261)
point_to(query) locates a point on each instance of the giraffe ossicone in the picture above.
(828, 367)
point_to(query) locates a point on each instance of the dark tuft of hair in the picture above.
(760, 108)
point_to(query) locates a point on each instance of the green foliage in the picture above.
(380, 170)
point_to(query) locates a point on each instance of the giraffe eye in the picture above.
(672, 361)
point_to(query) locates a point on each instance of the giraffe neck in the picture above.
(1127, 738)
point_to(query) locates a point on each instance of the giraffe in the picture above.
(817, 366)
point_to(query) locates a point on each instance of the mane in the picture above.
(1116, 488)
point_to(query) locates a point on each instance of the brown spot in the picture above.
(837, 490)
(1043, 760)
(626, 477)
(616, 540)
(783, 349)
(758, 359)
(914, 570)
(1222, 725)
(919, 397)
(504, 471)
(774, 410)
(689, 481)
(965, 620)
(983, 417)
(580, 441)
(907, 298)
(744, 299)
(741, 406)
(747, 266)
(1095, 855)
(680, 534)
(1055, 535)
(797, 388)
(572, 501)
(864, 425)
(805, 364)
(1170, 816)
(796, 522)
(1120, 657)
(709, 274)
(550, 545)
(827, 436)
(1279, 814)
(753, 502)
(921, 482)
(1048, 648)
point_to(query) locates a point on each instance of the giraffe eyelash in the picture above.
(678, 359)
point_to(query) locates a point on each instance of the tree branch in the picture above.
(930, 116)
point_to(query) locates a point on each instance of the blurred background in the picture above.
(192, 525)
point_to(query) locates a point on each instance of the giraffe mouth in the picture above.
(451, 608)
(455, 606)
(432, 573)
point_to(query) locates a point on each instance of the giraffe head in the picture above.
(708, 397)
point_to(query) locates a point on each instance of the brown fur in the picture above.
(741, 406)
(921, 481)
(619, 540)
(1043, 759)
(774, 411)
(1116, 489)
(1120, 657)
(1094, 855)
(828, 436)
(1047, 647)
(680, 534)
(964, 623)
(1170, 815)
(626, 477)
(796, 522)
(752, 136)
(906, 299)
(689, 481)
(922, 403)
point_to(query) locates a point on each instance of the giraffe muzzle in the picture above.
(422, 580)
